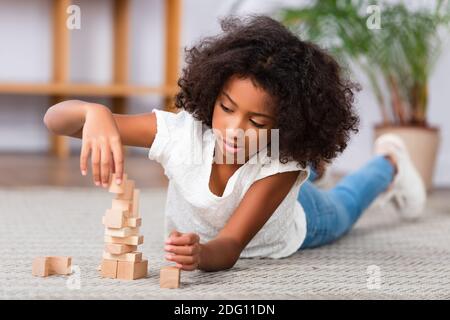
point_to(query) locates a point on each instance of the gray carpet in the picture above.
(381, 258)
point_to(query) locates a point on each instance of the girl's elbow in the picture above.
(47, 120)
(53, 123)
(232, 264)
(233, 260)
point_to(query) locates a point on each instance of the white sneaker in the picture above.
(407, 191)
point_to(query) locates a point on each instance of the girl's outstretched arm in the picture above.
(259, 203)
(256, 207)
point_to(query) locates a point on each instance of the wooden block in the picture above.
(117, 188)
(135, 204)
(128, 193)
(114, 218)
(123, 205)
(128, 222)
(41, 267)
(130, 256)
(109, 269)
(132, 240)
(169, 277)
(133, 222)
(60, 265)
(122, 232)
(46, 266)
(115, 248)
(132, 270)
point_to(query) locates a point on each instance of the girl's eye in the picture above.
(225, 108)
(253, 122)
(257, 124)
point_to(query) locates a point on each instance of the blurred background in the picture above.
(128, 55)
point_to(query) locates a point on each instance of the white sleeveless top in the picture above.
(184, 147)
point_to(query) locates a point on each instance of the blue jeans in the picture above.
(332, 213)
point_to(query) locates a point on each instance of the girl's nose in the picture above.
(234, 135)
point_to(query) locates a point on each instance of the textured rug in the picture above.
(381, 258)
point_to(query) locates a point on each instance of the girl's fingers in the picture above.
(85, 150)
(182, 250)
(95, 159)
(116, 148)
(187, 267)
(112, 166)
(181, 259)
(184, 239)
(174, 234)
(105, 158)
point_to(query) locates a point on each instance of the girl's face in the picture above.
(241, 116)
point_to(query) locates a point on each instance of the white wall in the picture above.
(25, 55)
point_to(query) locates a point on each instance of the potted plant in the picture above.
(397, 57)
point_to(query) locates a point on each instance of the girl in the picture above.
(255, 77)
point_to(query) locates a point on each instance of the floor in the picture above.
(48, 208)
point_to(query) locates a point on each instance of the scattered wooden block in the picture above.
(114, 218)
(60, 265)
(135, 204)
(122, 205)
(128, 192)
(169, 277)
(115, 248)
(132, 270)
(132, 240)
(117, 188)
(109, 269)
(122, 232)
(47, 266)
(130, 256)
(41, 267)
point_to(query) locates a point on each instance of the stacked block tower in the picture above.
(121, 260)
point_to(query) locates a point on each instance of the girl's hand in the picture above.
(101, 139)
(184, 249)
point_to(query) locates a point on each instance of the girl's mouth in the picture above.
(231, 148)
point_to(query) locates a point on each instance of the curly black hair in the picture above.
(313, 100)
